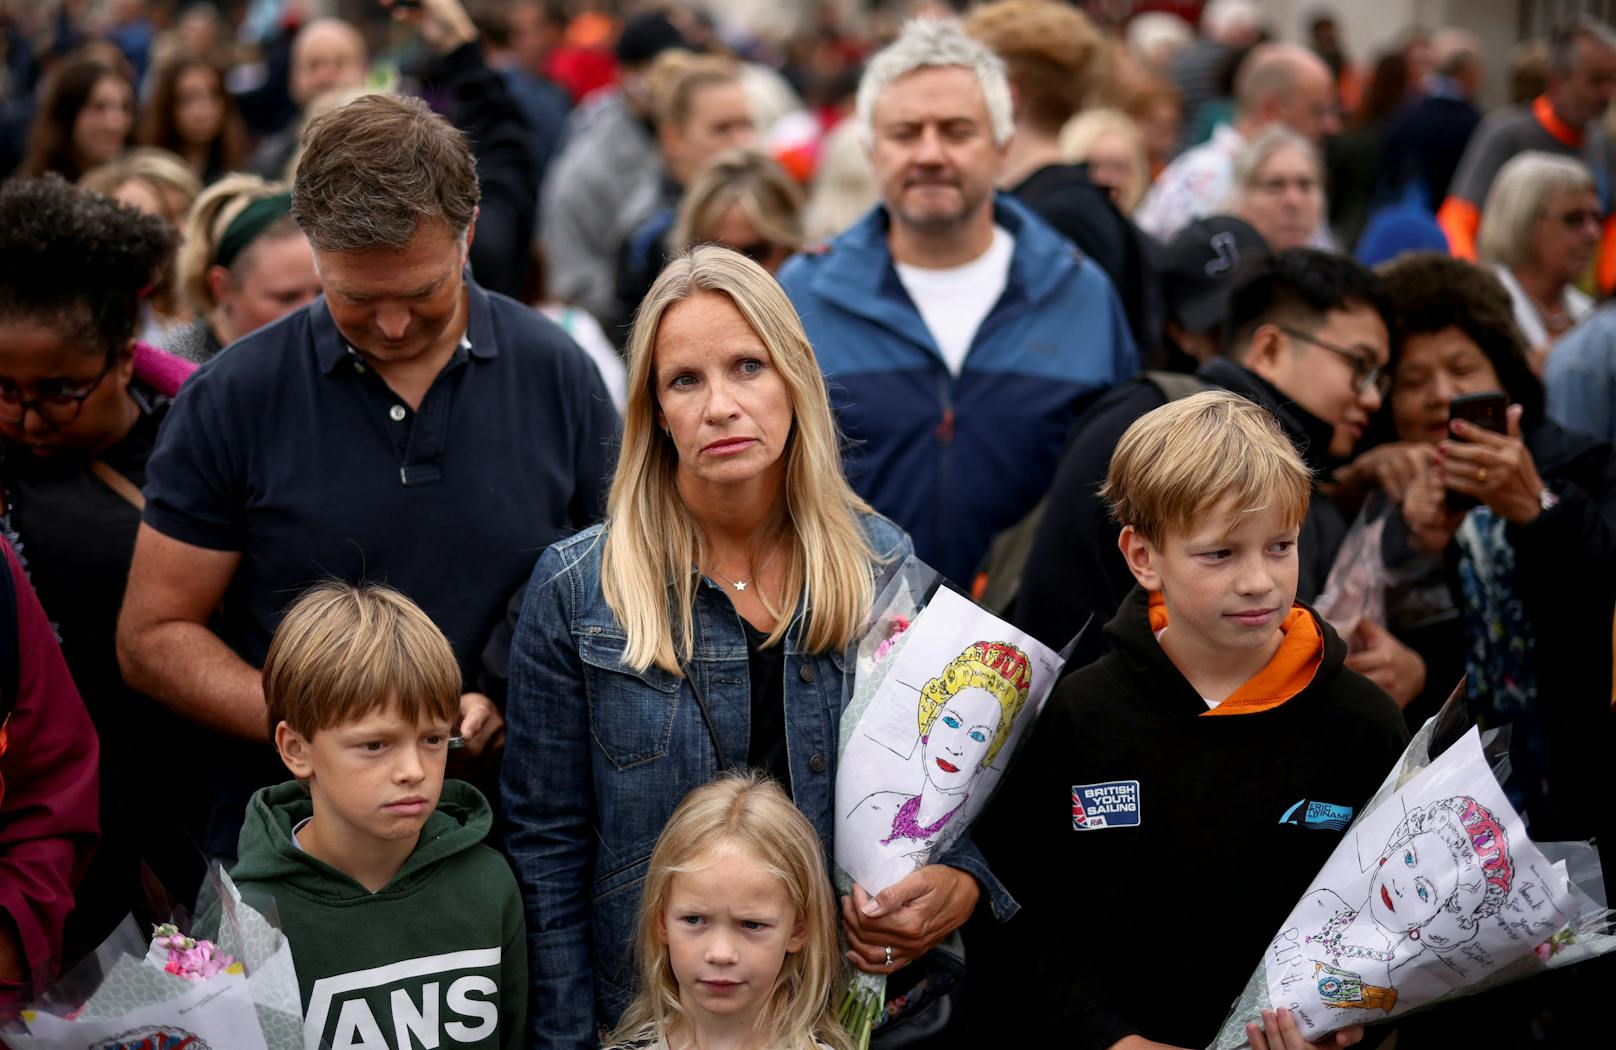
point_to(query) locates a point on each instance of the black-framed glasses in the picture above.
(1366, 371)
(56, 403)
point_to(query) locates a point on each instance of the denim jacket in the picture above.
(597, 757)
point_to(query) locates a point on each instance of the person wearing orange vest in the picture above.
(1564, 120)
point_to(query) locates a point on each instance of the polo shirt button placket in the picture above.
(396, 413)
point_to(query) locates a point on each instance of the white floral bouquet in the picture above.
(938, 696)
(238, 993)
(1435, 892)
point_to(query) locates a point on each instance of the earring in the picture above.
(1414, 934)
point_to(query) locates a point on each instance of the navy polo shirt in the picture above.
(288, 448)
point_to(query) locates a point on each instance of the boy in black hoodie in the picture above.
(1179, 794)
(405, 929)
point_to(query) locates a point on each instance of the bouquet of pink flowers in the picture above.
(239, 992)
(184, 956)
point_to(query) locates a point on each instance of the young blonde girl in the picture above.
(737, 927)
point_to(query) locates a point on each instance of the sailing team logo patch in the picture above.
(1324, 816)
(1113, 804)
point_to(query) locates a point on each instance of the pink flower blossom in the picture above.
(191, 959)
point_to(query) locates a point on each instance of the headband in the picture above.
(245, 228)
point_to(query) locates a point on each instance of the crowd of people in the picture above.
(537, 394)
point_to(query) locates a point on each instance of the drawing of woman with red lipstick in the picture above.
(965, 716)
(1445, 868)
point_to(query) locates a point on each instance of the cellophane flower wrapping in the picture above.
(126, 995)
(938, 694)
(1435, 892)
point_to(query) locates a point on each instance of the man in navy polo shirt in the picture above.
(408, 428)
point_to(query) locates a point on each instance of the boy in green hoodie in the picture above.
(406, 931)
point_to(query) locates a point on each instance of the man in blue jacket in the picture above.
(959, 334)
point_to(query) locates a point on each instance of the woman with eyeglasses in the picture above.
(78, 419)
(1540, 227)
(1279, 188)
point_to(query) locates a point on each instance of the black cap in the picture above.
(646, 36)
(1199, 266)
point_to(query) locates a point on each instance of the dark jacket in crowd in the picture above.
(1137, 829)
(1064, 196)
(1424, 143)
(951, 459)
(1074, 569)
(1565, 578)
(481, 105)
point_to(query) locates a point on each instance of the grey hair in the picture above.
(932, 43)
(1515, 203)
(1269, 142)
(1563, 42)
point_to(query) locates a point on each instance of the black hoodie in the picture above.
(1213, 828)
(1074, 569)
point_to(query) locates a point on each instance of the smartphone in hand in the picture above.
(1482, 410)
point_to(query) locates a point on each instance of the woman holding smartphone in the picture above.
(1516, 532)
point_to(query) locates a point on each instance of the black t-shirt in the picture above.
(767, 669)
(77, 537)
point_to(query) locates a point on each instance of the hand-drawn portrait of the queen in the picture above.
(965, 715)
(1446, 867)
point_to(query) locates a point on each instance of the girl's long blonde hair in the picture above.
(749, 812)
(653, 543)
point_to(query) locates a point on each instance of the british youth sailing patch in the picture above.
(1114, 804)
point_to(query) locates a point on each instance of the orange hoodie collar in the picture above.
(1290, 671)
(1566, 134)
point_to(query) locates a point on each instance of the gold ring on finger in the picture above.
(1481, 475)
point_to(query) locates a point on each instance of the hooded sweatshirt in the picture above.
(437, 957)
(1156, 844)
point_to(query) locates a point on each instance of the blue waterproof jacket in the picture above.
(598, 755)
(955, 459)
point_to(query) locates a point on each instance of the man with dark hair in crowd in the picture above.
(407, 427)
(1308, 338)
(960, 335)
(1563, 120)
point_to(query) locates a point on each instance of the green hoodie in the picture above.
(437, 957)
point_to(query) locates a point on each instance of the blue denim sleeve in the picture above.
(549, 809)
(965, 856)
(1579, 388)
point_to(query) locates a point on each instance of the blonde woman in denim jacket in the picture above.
(730, 532)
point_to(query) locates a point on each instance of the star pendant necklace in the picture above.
(741, 585)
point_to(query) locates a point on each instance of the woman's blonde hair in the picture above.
(175, 184)
(745, 177)
(176, 188)
(653, 543)
(1080, 133)
(210, 217)
(750, 813)
(677, 75)
(1515, 203)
